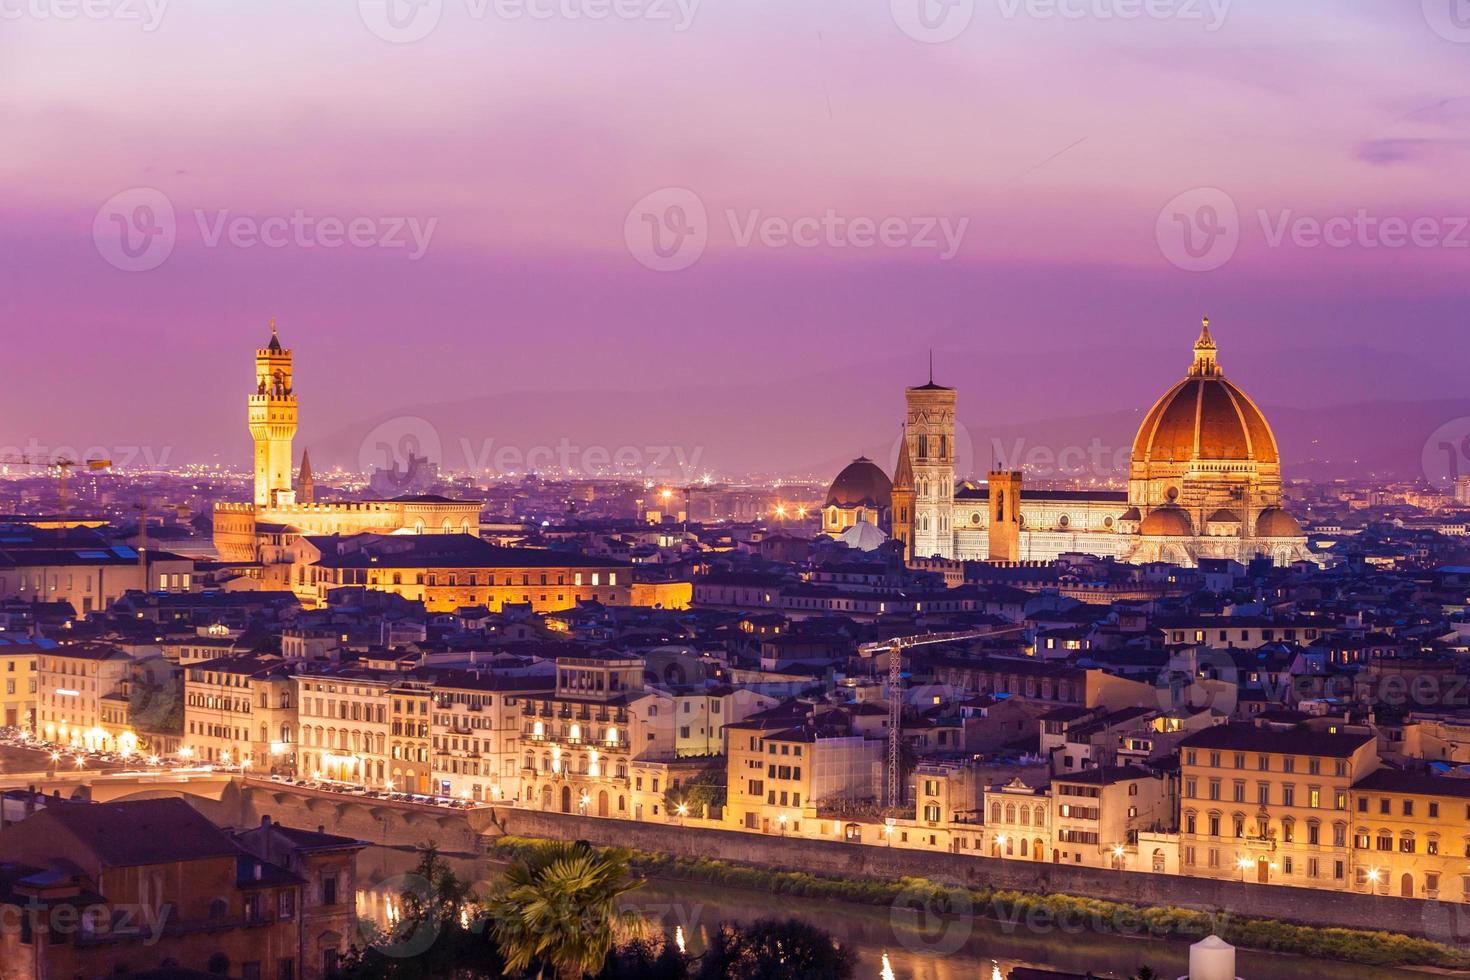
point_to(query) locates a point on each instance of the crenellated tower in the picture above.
(273, 420)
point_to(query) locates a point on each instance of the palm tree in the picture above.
(557, 908)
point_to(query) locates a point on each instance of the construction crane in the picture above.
(63, 468)
(894, 648)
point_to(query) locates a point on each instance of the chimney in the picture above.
(321, 828)
(265, 820)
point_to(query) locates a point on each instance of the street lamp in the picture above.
(683, 810)
(888, 831)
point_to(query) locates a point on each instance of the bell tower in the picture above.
(1005, 515)
(273, 423)
(930, 443)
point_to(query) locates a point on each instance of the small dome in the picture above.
(1131, 514)
(1277, 523)
(864, 537)
(861, 484)
(1169, 521)
(1223, 516)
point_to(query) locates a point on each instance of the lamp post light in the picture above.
(888, 831)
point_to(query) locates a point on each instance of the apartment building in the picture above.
(125, 875)
(344, 724)
(82, 697)
(579, 742)
(1098, 815)
(1271, 803)
(19, 687)
(784, 779)
(409, 738)
(241, 711)
(1410, 835)
(476, 731)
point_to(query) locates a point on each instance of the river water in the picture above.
(890, 946)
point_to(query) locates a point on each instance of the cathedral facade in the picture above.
(1204, 482)
(284, 509)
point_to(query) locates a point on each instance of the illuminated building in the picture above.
(280, 512)
(82, 697)
(579, 742)
(476, 729)
(1204, 482)
(18, 684)
(860, 495)
(1271, 805)
(240, 711)
(344, 727)
(447, 572)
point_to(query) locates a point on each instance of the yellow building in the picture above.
(1271, 804)
(1411, 835)
(241, 711)
(788, 775)
(476, 731)
(18, 685)
(409, 736)
(344, 725)
(450, 571)
(82, 697)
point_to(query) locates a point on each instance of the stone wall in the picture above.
(464, 831)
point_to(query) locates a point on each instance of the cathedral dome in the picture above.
(1204, 418)
(1169, 521)
(1274, 522)
(860, 484)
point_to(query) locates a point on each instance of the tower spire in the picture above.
(306, 480)
(903, 471)
(931, 365)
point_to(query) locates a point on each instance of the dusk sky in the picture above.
(1034, 176)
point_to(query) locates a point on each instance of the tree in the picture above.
(705, 790)
(642, 959)
(438, 935)
(771, 949)
(558, 908)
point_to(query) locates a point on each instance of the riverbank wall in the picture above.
(466, 832)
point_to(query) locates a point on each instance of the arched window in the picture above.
(1000, 505)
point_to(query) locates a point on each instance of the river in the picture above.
(890, 946)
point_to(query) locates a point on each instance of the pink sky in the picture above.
(525, 143)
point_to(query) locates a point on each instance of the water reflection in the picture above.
(889, 946)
